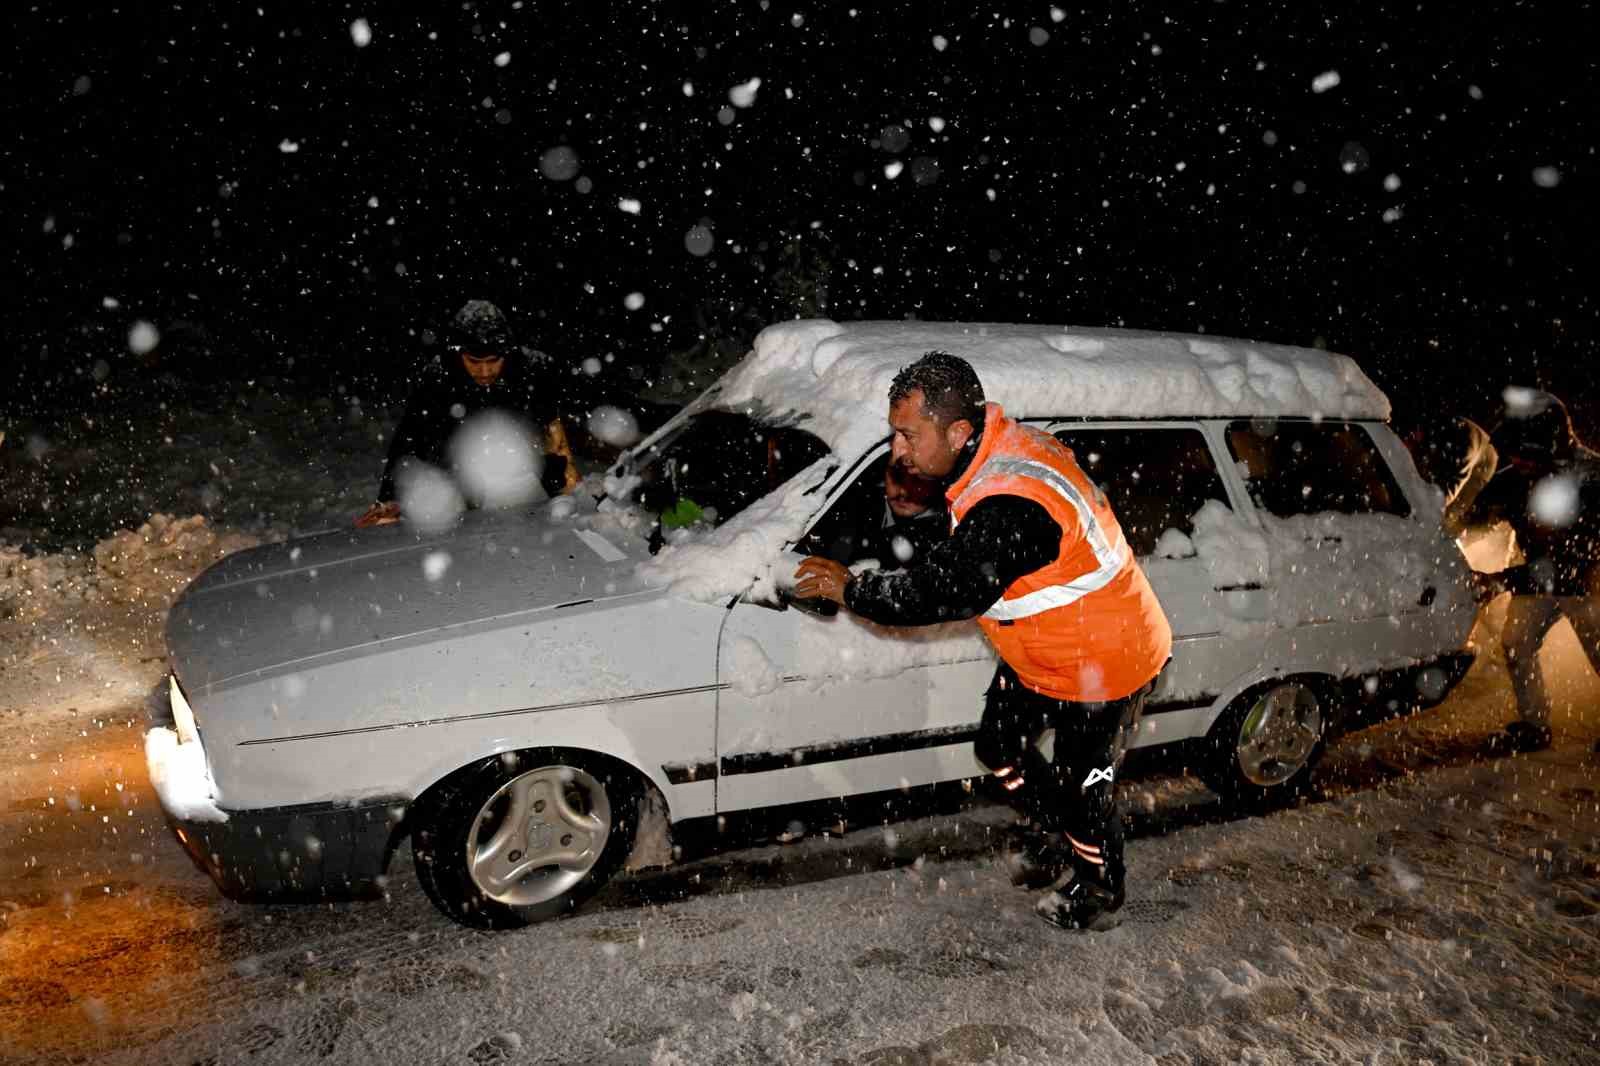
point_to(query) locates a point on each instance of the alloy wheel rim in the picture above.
(538, 835)
(1279, 734)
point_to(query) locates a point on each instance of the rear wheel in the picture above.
(1260, 753)
(524, 837)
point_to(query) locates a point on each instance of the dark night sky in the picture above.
(1157, 165)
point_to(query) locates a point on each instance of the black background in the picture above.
(1133, 181)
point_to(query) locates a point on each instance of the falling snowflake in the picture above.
(699, 240)
(143, 338)
(1554, 501)
(613, 425)
(744, 95)
(559, 163)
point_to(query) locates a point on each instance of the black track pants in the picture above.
(1075, 791)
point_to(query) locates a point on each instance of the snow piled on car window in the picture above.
(836, 376)
(1321, 568)
(708, 563)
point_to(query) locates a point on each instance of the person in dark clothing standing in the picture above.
(1037, 556)
(1548, 490)
(483, 369)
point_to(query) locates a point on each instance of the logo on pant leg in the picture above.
(1099, 775)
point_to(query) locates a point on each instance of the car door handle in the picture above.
(1249, 586)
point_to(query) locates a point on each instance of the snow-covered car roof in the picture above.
(836, 375)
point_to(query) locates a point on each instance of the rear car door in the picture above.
(1171, 499)
(1362, 574)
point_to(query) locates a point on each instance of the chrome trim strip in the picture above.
(570, 705)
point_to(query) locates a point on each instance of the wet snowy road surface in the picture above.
(1437, 905)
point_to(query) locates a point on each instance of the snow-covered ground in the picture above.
(1441, 905)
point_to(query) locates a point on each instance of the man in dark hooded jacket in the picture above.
(483, 368)
(1548, 489)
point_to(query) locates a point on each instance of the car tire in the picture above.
(523, 836)
(1261, 751)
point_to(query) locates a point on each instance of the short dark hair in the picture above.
(950, 388)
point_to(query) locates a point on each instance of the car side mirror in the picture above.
(820, 607)
(780, 578)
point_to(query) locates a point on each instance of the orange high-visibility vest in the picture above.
(1086, 627)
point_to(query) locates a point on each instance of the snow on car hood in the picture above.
(316, 597)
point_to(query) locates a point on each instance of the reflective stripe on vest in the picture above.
(1111, 557)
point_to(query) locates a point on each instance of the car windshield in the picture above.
(715, 465)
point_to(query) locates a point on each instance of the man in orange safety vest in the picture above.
(1037, 556)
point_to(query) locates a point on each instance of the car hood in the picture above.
(289, 606)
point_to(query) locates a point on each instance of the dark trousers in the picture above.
(1074, 792)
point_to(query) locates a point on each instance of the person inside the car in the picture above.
(1548, 490)
(1038, 557)
(891, 530)
(914, 517)
(483, 368)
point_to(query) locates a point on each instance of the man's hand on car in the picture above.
(818, 578)
(379, 514)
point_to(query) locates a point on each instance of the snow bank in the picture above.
(151, 565)
(146, 567)
(836, 376)
(32, 586)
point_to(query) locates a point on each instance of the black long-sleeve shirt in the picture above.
(1000, 539)
(1562, 549)
(530, 387)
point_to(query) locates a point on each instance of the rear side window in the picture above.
(1156, 477)
(1294, 468)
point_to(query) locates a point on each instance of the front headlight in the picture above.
(182, 713)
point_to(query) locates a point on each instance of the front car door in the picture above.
(814, 706)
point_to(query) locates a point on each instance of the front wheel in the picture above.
(1261, 751)
(523, 837)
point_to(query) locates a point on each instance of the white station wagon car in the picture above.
(516, 691)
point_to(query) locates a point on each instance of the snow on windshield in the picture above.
(836, 376)
(710, 563)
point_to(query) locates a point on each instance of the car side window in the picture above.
(1295, 468)
(1156, 477)
(861, 525)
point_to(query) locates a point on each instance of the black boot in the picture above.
(1084, 904)
(1040, 861)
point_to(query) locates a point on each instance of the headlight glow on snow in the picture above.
(182, 713)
